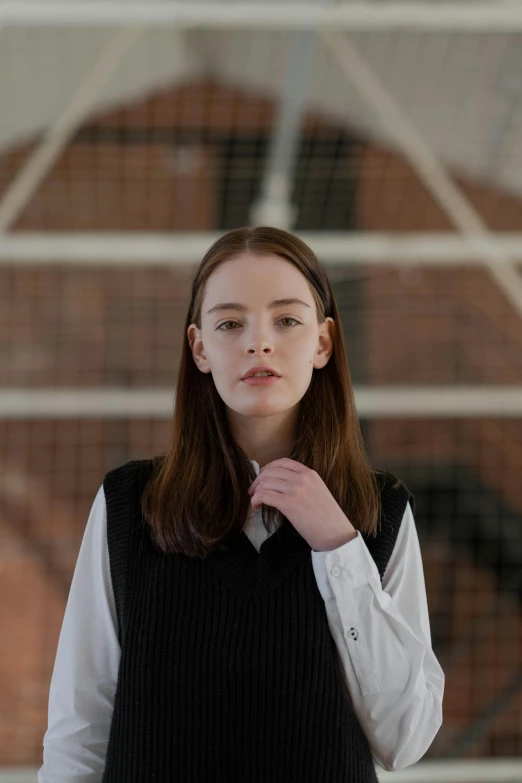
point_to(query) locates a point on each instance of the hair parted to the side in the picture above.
(197, 494)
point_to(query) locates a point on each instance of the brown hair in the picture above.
(198, 491)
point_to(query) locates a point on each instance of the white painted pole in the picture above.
(404, 402)
(471, 16)
(343, 248)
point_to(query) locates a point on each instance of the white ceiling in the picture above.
(462, 91)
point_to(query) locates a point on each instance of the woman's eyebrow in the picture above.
(244, 308)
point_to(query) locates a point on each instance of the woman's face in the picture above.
(286, 337)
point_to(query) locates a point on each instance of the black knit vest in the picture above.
(228, 669)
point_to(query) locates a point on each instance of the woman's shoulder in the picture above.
(386, 479)
(130, 472)
(393, 490)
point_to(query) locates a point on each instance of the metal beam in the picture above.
(506, 93)
(274, 207)
(403, 402)
(40, 161)
(180, 248)
(23, 497)
(472, 16)
(483, 723)
(453, 201)
(483, 770)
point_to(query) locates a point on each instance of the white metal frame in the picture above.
(472, 16)
(430, 170)
(273, 206)
(507, 770)
(20, 191)
(341, 248)
(482, 770)
(404, 402)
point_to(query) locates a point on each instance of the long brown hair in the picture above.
(198, 491)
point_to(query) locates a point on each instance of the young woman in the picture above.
(249, 606)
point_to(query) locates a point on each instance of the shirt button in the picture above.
(354, 634)
(336, 571)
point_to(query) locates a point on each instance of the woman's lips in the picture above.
(262, 381)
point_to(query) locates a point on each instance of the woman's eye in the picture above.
(285, 318)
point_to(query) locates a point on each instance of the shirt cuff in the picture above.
(351, 562)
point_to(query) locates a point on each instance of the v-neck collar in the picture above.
(252, 574)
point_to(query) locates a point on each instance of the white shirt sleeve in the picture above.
(83, 684)
(382, 633)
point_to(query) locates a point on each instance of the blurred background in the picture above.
(388, 135)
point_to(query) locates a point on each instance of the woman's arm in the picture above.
(383, 636)
(85, 674)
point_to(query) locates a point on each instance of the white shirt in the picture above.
(394, 679)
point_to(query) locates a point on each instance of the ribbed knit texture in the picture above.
(228, 669)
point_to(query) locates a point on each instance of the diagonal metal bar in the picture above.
(483, 722)
(23, 498)
(21, 190)
(459, 650)
(450, 197)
